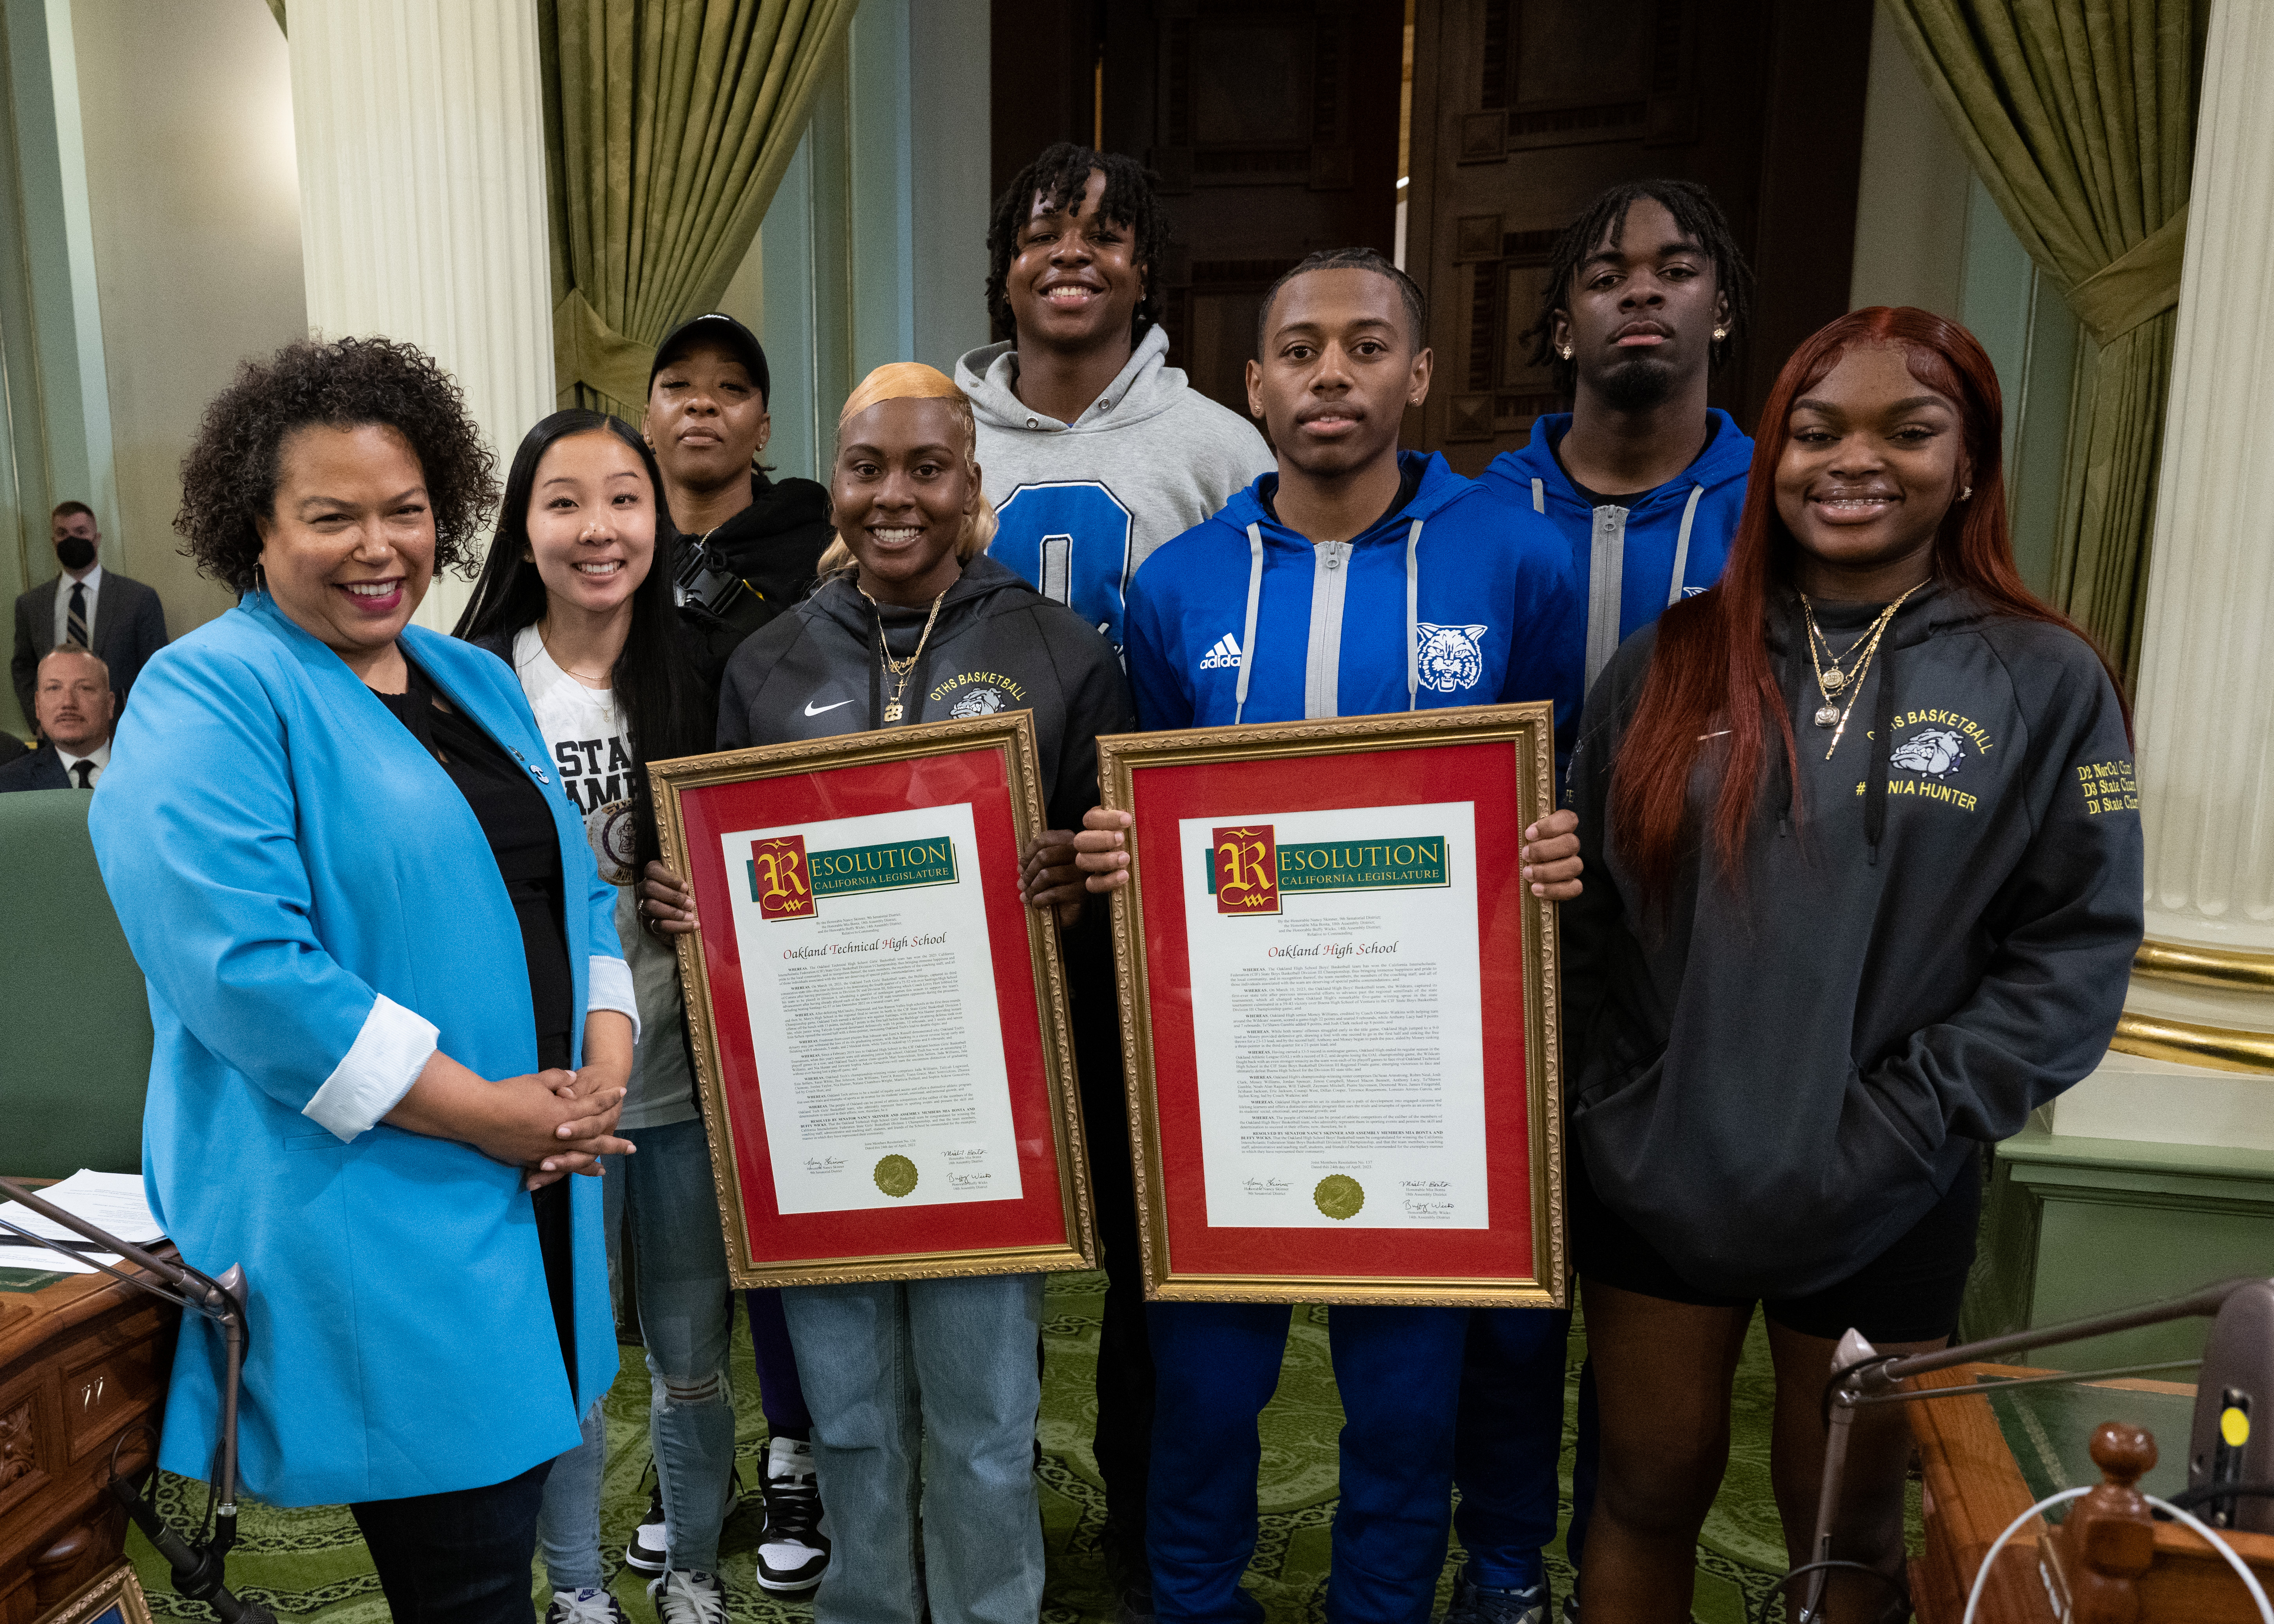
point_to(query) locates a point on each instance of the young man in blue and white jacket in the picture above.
(1354, 580)
(1644, 479)
(1645, 482)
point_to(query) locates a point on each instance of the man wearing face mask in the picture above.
(120, 620)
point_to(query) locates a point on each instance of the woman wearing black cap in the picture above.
(707, 421)
(761, 540)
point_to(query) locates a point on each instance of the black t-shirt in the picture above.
(1409, 483)
(1599, 499)
(518, 825)
(517, 822)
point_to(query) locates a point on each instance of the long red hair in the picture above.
(1711, 672)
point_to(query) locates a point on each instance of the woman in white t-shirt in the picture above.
(577, 596)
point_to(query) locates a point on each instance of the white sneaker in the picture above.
(589, 1605)
(794, 1553)
(649, 1545)
(685, 1596)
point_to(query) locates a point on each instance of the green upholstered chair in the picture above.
(75, 1063)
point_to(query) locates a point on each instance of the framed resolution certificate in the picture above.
(1338, 1009)
(879, 1021)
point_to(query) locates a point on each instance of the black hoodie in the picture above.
(1772, 1081)
(773, 545)
(999, 645)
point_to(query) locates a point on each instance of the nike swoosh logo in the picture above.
(813, 709)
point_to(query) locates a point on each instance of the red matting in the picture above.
(982, 777)
(1482, 774)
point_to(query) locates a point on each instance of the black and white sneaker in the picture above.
(650, 1541)
(589, 1605)
(793, 1555)
(685, 1596)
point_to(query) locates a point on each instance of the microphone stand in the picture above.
(198, 1565)
(1861, 1375)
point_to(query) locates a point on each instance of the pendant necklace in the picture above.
(1834, 680)
(901, 670)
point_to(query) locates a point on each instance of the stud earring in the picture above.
(1966, 494)
(1719, 333)
(1565, 352)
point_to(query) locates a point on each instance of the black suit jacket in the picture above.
(129, 626)
(41, 769)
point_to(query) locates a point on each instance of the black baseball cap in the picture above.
(715, 327)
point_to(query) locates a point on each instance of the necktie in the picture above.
(81, 770)
(75, 624)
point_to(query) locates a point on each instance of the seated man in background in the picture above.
(72, 704)
(120, 620)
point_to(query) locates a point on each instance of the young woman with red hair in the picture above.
(1865, 831)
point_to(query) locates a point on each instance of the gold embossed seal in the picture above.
(1339, 1196)
(896, 1176)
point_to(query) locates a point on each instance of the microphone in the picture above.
(199, 1566)
(2235, 1389)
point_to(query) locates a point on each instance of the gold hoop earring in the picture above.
(259, 579)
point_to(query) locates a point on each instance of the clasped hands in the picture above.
(550, 1123)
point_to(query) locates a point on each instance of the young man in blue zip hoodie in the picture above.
(1355, 580)
(1642, 478)
(1645, 483)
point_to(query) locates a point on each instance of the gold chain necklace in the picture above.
(1830, 714)
(902, 669)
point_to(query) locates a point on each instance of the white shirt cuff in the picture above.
(608, 986)
(377, 1070)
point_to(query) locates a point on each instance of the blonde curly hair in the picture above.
(906, 380)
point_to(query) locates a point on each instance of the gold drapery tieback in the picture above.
(2139, 283)
(587, 350)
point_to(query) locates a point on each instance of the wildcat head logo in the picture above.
(1449, 659)
(978, 702)
(1936, 753)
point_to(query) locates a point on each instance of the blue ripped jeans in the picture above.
(684, 1320)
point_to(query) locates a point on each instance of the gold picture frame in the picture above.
(1527, 730)
(1074, 1245)
(115, 1598)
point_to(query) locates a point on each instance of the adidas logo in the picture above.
(1224, 655)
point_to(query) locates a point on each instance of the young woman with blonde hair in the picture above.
(929, 1388)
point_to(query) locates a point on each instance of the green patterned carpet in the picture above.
(311, 1563)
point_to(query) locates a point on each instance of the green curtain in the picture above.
(2080, 117)
(667, 126)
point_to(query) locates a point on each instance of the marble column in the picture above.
(419, 130)
(2193, 1060)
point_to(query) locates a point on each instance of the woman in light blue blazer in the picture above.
(391, 1013)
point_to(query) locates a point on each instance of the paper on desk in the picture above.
(112, 1201)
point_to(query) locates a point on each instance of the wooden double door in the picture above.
(1276, 128)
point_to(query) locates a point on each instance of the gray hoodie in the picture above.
(1083, 504)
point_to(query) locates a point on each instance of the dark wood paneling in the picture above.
(1525, 110)
(1273, 124)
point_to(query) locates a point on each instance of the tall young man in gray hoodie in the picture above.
(1096, 451)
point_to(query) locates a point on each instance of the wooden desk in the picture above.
(1974, 1487)
(81, 1361)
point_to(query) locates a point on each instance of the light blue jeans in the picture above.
(681, 1257)
(923, 1393)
